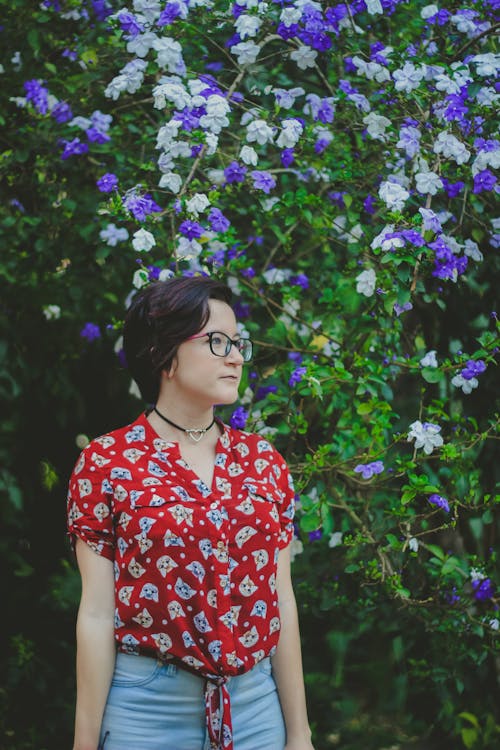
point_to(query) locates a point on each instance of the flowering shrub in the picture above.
(336, 164)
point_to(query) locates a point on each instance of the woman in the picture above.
(187, 634)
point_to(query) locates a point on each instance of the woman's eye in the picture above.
(217, 340)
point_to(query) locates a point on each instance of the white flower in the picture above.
(366, 282)
(112, 235)
(471, 249)
(429, 11)
(484, 160)
(335, 539)
(448, 145)
(171, 89)
(296, 548)
(216, 176)
(247, 25)
(376, 125)
(246, 52)
(426, 436)
(51, 312)
(187, 249)
(429, 359)
(140, 278)
(413, 544)
(276, 275)
(171, 181)
(372, 70)
(408, 77)
(169, 54)
(269, 203)
(428, 182)
(212, 142)
(165, 274)
(289, 16)
(465, 24)
(487, 65)
(304, 56)
(373, 7)
(285, 98)
(393, 195)
(467, 386)
(248, 155)
(292, 129)
(259, 131)
(217, 107)
(141, 44)
(150, 9)
(168, 133)
(494, 623)
(197, 204)
(81, 441)
(379, 240)
(143, 241)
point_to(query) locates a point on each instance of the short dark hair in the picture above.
(160, 317)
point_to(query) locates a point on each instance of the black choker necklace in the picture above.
(194, 434)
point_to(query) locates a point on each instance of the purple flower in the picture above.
(300, 280)
(367, 471)
(38, 95)
(169, 14)
(473, 368)
(321, 145)
(484, 180)
(315, 535)
(453, 188)
(399, 309)
(91, 332)
(140, 206)
(297, 376)
(369, 204)
(263, 181)
(191, 229)
(218, 221)
(239, 418)
(62, 112)
(107, 183)
(73, 148)
(483, 589)
(337, 197)
(129, 23)
(287, 157)
(235, 172)
(439, 502)
(263, 390)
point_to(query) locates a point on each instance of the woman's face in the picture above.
(200, 376)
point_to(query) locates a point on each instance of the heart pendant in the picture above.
(196, 435)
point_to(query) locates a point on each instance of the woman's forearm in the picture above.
(287, 670)
(94, 669)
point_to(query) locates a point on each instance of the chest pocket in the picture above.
(258, 504)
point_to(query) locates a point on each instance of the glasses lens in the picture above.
(220, 344)
(245, 348)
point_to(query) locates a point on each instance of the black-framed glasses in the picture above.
(220, 344)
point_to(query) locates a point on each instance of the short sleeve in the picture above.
(286, 507)
(89, 507)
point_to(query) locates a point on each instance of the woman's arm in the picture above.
(287, 662)
(95, 654)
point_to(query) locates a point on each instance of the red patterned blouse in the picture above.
(195, 567)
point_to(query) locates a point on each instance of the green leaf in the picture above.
(432, 374)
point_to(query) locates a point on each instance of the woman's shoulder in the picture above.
(132, 432)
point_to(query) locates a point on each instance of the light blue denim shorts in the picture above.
(157, 706)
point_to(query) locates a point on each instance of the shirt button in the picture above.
(220, 545)
(213, 505)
